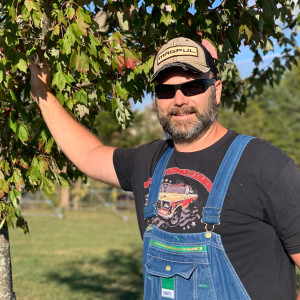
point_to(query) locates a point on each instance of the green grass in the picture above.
(87, 255)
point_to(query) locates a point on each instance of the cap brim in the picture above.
(184, 66)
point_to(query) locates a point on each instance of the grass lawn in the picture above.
(87, 255)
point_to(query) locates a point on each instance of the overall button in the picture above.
(208, 234)
(167, 268)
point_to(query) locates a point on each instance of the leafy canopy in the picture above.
(101, 54)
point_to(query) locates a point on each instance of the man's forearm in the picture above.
(82, 147)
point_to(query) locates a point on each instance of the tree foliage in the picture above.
(274, 115)
(101, 54)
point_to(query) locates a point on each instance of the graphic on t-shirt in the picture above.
(178, 202)
(173, 199)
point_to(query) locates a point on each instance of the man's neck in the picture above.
(208, 138)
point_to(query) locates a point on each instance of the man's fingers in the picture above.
(32, 64)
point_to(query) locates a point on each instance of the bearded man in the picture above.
(219, 212)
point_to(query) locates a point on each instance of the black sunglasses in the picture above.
(190, 88)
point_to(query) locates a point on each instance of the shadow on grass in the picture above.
(118, 276)
(298, 278)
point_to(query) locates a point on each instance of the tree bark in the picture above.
(6, 284)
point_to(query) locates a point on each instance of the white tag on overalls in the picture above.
(167, 290)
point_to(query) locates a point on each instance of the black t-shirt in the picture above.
(260, 219)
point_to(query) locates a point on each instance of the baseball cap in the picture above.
(185, 53)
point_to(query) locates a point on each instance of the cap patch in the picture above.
(177, 51)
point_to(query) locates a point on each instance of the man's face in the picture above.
(185, 118)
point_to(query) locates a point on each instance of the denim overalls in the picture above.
(192, 266)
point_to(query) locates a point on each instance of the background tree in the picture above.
(101, 54)
(144, 129)
(273, 115)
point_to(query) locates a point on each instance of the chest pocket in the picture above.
(169, 260)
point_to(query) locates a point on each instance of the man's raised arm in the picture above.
(81, 146)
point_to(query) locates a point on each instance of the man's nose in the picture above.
(180, 99)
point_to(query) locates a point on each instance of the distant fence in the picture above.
(39, 204)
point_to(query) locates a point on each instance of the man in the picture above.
(259, 221)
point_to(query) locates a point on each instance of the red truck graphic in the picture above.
(173, 199)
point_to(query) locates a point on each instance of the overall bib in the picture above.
(192, 266)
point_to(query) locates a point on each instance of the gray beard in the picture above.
(188, 131)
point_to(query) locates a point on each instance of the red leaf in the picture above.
(7, 111)
(130, 63)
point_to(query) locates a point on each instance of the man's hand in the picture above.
(40, 80)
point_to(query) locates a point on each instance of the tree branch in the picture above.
(46, 32)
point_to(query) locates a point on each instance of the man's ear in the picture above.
(218, 85)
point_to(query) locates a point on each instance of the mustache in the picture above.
(182, 110)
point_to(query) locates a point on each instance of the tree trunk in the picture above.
(64, 201)
(6, 285)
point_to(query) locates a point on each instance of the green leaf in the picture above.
(48, 186)
(4, 166)
(4, 188)
(56, 29)
(63, 181)
(95, 65)
(12, 12)
(82, 26)
(2, 72)
(246, 25)
(30, 4)
(13, 123)
(61, 18)
(24, 162)
(22, 65)
(22, 132)
(81, 96)
(13, 195)
(60, 79)
(92, 45)
(70, 11)
(83, 15)
(43, 167)
(16, 179)
(121, 92)
(48, 146)
(166, 18)
(147, 66)
(33, 174)
(37, 18)
(233, 34)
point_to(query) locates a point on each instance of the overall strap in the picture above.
(212, 210)
(150, 209)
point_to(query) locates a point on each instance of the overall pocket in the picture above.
(174, 271)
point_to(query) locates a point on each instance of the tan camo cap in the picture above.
(184, 53)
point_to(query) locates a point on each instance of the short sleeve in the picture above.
(284, 195)
(124, 166)
(133, 164)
